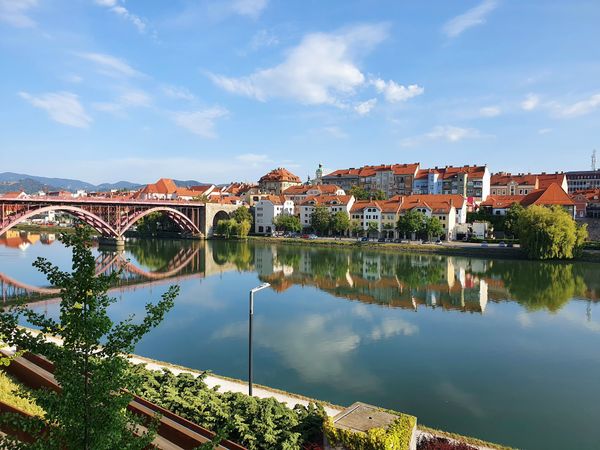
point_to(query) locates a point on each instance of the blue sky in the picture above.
(104, 90)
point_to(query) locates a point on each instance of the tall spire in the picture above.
(594, 160)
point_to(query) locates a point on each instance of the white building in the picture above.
(266, 209)
(334, 204)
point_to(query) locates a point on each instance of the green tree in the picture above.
(241, 214)
(320, 219)
(243, 228)
(432, 227)
(340, 222)
(229, 228)
(511, 221)
(90, 412)
(550, 233)
(411, 222)
(360, 193)
(356, 228)
(372, 227)
(287, 222)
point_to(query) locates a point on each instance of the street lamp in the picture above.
(250, 318)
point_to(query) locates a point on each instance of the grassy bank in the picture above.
(44, 228)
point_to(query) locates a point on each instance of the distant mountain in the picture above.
(10, 181)
(26, 184)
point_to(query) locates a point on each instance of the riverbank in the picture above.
(447, 249)
(225, 384)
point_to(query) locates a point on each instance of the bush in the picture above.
(256, 423)
(397, 436)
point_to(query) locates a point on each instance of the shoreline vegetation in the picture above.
(587, 255)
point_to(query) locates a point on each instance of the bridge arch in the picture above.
(86, 217)
(183, 221)
(220, 215)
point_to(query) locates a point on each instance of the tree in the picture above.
(411, 222)
(356, 228)
(90, 412)
(243, 228)
(360, 193)
(511, 221)
(340, 222)
(320, 219)
(432, 227)
(241, 214)
(287, 222)
(229, 228)
(550, 233)
(372, 227)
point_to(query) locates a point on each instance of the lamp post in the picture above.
(250, 319)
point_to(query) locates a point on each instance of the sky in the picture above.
(220, 91)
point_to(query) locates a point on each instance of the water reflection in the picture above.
(408, 281)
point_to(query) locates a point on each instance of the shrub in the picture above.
(437, 443)
(256, 423)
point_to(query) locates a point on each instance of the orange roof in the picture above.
(162, 186)
(200, 189)
(473, 171)
(552, 195)
(304, 188)
(546, 179)
(275, 199)
(456, 199)
(501, 201)
(344, 172)
(327, 200)
(360, 205)
(12, 194)
(503, 178)
(280, 174)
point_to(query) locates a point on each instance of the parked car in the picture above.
(381, 240)
(484, 244)
(397, 241)
(439, 241)
(312, 236)
(510, 244)
(502, 244)
(364, 239)
(304, 236)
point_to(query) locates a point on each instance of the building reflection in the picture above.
(409, 281)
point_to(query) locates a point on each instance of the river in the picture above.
(507, 351)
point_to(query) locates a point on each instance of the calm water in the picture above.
(507, 351)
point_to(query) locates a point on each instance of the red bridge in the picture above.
(113, 217)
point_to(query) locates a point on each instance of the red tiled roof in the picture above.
(552, 195)
(501, 201)
(327, 200)
(546, 179)
(12, 194)
(280, 174)
(304, 188)
(502, 179)
(275, 199)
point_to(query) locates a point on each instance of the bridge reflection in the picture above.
(409, 281)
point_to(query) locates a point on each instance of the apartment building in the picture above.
(164, 189)
(504, 183)
(552, 195)
(472, 182)
(583, 180)
(344, 178)
(267, 208)
(334, 204)
(298, 194)
(277, 181)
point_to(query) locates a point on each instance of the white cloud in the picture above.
(545, 130)
(200, 122)
(473, 17)
(110, 65)
(531, 102)
(15, 12)
(365, 107)
(490, 111)
(62, 107)
(394, 92)
(132, 98)
(446, 133)
(390, 327)
(73, 78)
(179, 93)
(582, 107)
(117, 8)
(320, 70)
(250, 8)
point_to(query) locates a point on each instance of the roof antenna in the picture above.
(594, 160)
